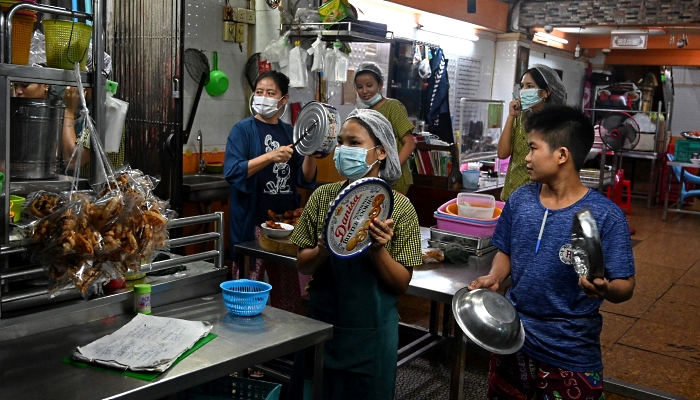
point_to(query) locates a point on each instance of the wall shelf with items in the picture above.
(341, 31)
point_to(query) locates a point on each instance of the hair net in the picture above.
(381, 128)
(558, 95)
(369, 66)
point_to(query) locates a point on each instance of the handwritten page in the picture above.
(146, 343)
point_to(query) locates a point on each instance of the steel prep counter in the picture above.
(32, 367)
(436, 282)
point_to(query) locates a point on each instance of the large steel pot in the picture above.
(35, 137)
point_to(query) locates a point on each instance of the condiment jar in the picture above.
(142, 298)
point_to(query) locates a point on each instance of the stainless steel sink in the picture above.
(204, 188)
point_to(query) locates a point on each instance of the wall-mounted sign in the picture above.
(628, 41)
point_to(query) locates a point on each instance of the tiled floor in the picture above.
(653, 340)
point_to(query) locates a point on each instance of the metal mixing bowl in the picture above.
(489, 320)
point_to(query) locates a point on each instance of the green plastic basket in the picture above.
(231, 387)
(66, 43)
(685, 149)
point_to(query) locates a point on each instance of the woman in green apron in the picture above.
(358, 295)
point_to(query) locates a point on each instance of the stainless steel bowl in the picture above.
(489, 320)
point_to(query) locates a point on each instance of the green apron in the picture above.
(360, 360)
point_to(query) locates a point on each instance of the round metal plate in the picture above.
(322, 122)
(345, 231)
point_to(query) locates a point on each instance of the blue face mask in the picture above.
(529, 97)
(351, 162)
(372, 101)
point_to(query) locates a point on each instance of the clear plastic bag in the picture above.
(432, 255)
(298, 75)
(37, 49)
(329, 65)
(318, 50)
(277, 51)
(115, 116)
(341, 64)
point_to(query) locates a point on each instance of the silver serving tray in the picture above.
(473, 242)
(444, 246)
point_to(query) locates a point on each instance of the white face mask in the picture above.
(265, 106)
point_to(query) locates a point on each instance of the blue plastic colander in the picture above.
(244, 297)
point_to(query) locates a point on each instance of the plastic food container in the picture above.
(463, 225)
(474, 205)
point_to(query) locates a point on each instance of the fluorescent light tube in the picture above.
(550, 38)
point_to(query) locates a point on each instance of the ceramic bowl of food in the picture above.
(276, 230)
(695, 161)
(489, 320)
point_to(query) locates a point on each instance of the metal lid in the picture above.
(345, 231)
(586, 246)
(314, 123)
(489, 320)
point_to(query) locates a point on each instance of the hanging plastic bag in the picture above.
(277, 51)
(318, 50)
(37, 49)
(329, 65)
(115, 116)
(297, 67)
(424, 66)
(341, 64)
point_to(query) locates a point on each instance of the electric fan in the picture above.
(619, 132)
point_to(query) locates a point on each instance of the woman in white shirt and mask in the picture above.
(264, 173)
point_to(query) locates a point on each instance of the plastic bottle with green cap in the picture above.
(142, 298)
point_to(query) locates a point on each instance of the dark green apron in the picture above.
(360, 360)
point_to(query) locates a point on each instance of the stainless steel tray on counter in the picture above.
(474, 245)
(473, 242)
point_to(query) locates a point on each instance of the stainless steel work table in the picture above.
(32, 367)
(435, 282)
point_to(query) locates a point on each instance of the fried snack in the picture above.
(42, 204)
(289, 214)
(352, 243)
(271, 214)
(273, 225)
(297, 212)
(295, 221)
(378, 200)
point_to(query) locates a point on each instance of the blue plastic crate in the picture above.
(231, 387)
(244, 297)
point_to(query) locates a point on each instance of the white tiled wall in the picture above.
(504, 73)
(215, 115)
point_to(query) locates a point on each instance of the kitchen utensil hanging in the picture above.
(197, 67)
(218, 81)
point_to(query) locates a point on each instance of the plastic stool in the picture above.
(622, 184)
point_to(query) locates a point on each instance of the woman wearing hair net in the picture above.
(358, 295)
(368, 83)
(541, 86)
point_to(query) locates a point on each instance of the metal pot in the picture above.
(35, 137)
(316, 129)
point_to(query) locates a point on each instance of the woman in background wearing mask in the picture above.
(264, 173)
(369, 83)
(358, 295)
(541, 86)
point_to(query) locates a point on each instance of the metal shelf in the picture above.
(52, 76)
(344, 33)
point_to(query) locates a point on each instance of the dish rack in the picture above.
(592, 176)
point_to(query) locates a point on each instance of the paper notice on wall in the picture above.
(146, 343)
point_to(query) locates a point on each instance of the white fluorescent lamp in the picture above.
(630, 32)
(550, 38)
(472, 37)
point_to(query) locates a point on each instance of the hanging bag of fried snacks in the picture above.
(84, 240)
